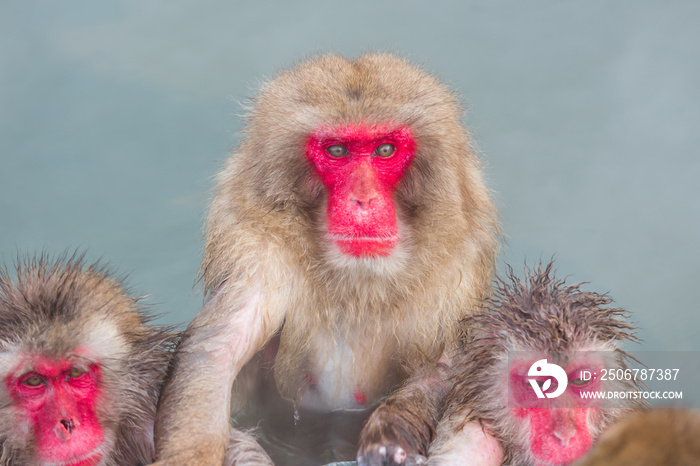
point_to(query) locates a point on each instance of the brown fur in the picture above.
(265, 228)
(542, 314)
(655, 437)
(55, 307)
(406, 421)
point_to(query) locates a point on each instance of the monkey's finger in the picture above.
(415, 460)
(385, 455)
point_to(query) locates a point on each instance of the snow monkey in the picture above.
(537, 337)
(81, 370)
(347, 234)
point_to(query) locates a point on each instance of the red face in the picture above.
(360, 166)
(559, 430)
(58, 398)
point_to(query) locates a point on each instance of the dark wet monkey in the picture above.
(527, 329)
(81, 370)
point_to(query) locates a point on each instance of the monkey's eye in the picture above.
(33, 381)
(337, 150)
(385, 150)
(578, 382)
(75, 372)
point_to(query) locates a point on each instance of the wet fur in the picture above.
(55, 307)
(540, 314)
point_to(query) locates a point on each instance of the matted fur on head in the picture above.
(539, 314)
(63, 308)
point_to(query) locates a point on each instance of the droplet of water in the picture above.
(296, 416)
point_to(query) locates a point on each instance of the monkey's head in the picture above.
(80, 370)
(541, 336)
(368, 154)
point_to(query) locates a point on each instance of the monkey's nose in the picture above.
(363, 202)
(68, 425)
(64, 429)
(364, 199)
(564, 435)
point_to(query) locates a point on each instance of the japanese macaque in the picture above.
(348, 233)
(655, 437)
(81, 370)
(525, 373)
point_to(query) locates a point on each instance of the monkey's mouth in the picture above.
(365, 246)
(91, 458)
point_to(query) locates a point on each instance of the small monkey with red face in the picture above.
(80, 369)
(348, 233)
(492, 413)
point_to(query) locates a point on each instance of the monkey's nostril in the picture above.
(68, 425)
(363, 202)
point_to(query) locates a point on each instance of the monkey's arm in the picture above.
(401, 428)
(192, 424)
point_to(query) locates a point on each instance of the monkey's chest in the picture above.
(339, 375)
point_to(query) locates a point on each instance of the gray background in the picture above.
(115, 115)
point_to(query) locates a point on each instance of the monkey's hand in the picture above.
(395, 434)
(389, 455)
(400, 429)
(243, 450)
